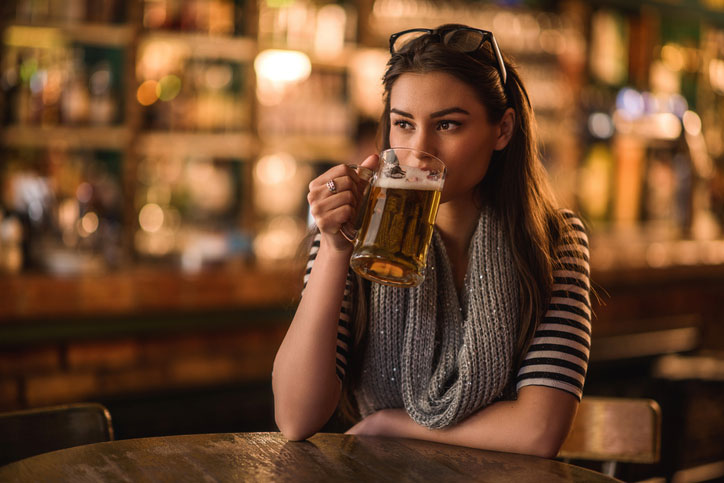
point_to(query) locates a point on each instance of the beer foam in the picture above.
(415, 179)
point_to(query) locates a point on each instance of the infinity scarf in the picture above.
(441, 357)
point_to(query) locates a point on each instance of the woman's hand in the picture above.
(334, 198)
(380, 423)
(536, 423)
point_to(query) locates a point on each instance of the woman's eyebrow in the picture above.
(449, 110)
(440, 113)
(402, 113)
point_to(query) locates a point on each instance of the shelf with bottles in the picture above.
(62, 210)
(180, 91)
(215, 18)
(209, 29)
(323, 30)
(647, 185)
(63, 84)
(649, 170)
(191, 209)
(195, 142)
(310, 116)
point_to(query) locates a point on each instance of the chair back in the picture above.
(615, 430)
(29, 432)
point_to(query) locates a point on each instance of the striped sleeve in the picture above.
(558, 355)
(344, 328)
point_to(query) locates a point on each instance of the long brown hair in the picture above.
(516, 185)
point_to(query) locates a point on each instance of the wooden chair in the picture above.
(615, 430)
(34, 431)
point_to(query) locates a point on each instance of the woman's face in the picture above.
(441, 115)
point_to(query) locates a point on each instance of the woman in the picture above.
(490, 351)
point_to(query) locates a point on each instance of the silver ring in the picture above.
(332, 186)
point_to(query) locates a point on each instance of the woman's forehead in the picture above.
(432, 91)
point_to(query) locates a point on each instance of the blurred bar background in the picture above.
(155, 156)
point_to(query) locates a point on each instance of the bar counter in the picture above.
(36, 306)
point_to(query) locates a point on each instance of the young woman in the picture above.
(491, 350)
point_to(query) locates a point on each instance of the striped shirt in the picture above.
(558, 354)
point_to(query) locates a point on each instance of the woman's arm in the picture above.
(536, 423)
(305, 383)
(304, 380)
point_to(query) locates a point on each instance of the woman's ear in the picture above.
(505, 129)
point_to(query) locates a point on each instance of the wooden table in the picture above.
(269, 457)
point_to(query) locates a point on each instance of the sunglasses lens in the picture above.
(463, 40)
(403, 41)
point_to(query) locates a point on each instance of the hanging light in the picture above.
(276, 70)
(282, 66)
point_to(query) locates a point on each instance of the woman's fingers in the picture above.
(334, 196)
(331, 220)
(336, 180)
(333, 201)
(331, 187)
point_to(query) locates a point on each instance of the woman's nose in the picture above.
(425, 141)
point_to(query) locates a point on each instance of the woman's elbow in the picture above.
(547, 449)
(294, 424)
(294, 431)
(546, 442)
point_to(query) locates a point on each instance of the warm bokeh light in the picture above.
(168, 87)
(84, 192)
(600, 125)
(280, 183)
(673, 56)
(218, 76)
(279, 240)
(716, 75)
(157, 58)
(154, 14)
(275, 169)
(276, 70)
(88, 224)
(147, 93)
(368, 66)
(329, 35)
(282, 65)
(151, 217)
(67, 214)
(668, 125)
(692, 123)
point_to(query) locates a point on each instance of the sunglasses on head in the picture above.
(462, 39)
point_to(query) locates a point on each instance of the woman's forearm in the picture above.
(305, 384)
(537, 423)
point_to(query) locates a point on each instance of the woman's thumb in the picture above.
(371, 162)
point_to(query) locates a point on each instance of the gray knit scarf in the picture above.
(439, 356)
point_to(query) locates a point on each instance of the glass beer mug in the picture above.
(394, 226)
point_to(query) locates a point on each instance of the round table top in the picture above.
(270, 457)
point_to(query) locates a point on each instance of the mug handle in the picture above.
(349, 231)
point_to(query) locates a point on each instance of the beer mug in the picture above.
(395, 222)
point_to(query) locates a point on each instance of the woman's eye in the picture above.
(447, 125)
(402, 124)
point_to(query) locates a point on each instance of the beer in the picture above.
(392, 243)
